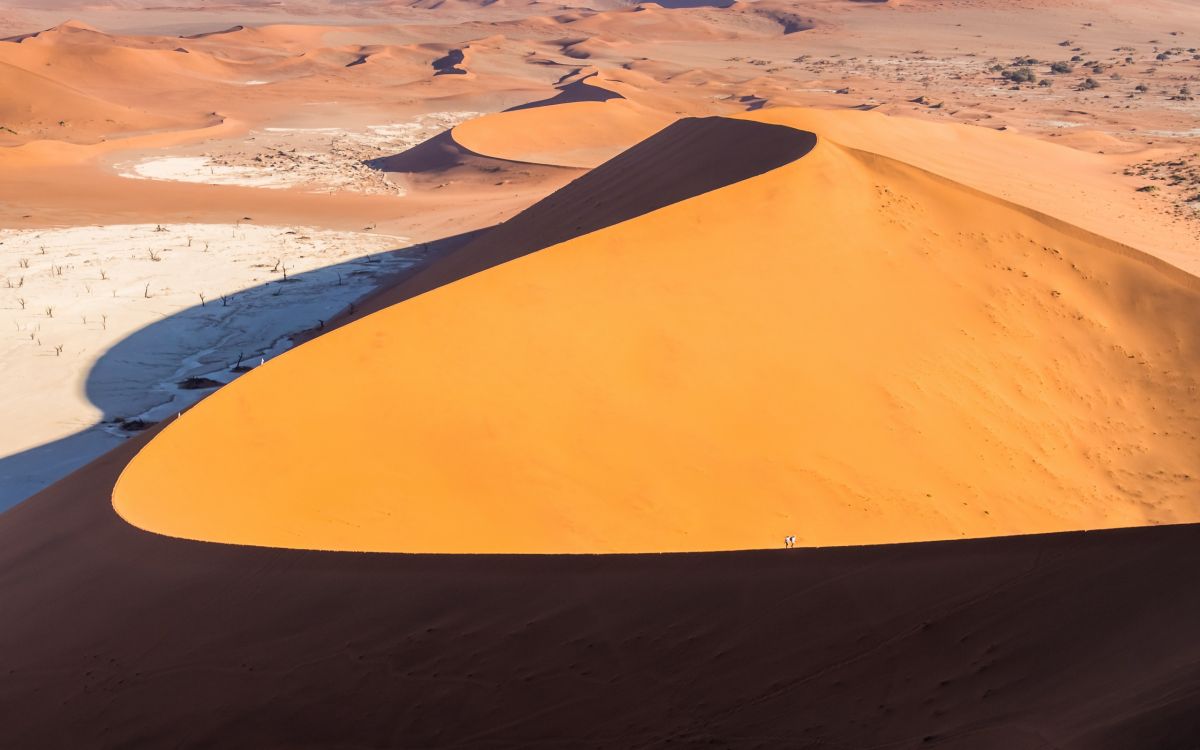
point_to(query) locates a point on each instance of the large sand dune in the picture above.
(113, 637)
(844, 347)
(871, 288)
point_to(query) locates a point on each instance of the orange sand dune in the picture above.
(576, 134)
(846, 348)
(1016, 167)
(34, 106)
(987, 644)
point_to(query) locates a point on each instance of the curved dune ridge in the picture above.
(571, 134)
(845, 348)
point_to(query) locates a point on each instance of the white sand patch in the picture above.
(203, 170)
(1056, 124)
(312, 159)
(102, 323)
(1193, 133)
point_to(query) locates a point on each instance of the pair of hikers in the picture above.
(789, 541)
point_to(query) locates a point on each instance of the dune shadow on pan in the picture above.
(136, 366)
(571, 93)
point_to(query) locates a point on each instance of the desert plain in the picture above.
(451, 373)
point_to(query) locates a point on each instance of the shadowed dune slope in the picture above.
(113, 637)
(845, 347)
(630, 185)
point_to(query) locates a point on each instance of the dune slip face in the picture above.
(906, 645)
(889, 355)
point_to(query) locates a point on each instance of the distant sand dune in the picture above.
(574, 134)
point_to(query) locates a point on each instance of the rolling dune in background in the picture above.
(887, 355)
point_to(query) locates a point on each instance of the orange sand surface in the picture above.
(846, 348)
(577, 134)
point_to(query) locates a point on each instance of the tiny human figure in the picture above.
(789, 541)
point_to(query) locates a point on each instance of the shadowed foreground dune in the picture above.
(116, 637)
(841, 346)
(113, 637)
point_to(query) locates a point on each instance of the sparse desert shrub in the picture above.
(1045, 83)
(1089, 84)
(1148, 189)
(1061, 67)
(1141, 88)
(195, 383)
(49, 311)
(1020, 75)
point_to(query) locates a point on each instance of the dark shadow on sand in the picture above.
(122, 370)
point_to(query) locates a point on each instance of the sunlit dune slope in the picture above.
(845, 348)
(628, 186)
(575, 134)
(33, 105)
(1079, 187)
